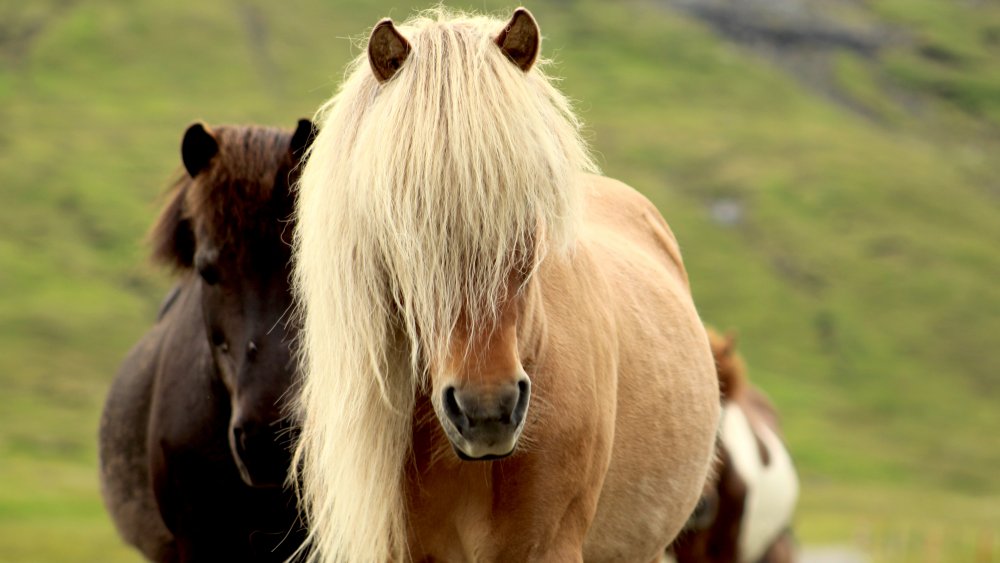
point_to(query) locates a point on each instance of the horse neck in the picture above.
(757, 409)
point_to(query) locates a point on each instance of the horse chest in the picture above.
(450, 514)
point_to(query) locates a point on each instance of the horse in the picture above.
(501, 358)
(194, 444)
(745, 514)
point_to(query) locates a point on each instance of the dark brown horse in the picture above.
(745, 512)
(193, 442)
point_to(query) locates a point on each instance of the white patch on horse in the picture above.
(772, 490)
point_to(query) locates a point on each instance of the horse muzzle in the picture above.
(260, 453)
(484, 424)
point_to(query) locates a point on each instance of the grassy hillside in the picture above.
(856, 252)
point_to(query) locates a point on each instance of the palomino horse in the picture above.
(193, 442)
(454, 262)
(746, 512)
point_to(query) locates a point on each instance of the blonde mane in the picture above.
(419, 196)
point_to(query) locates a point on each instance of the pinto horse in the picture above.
(501, 357)
(194, 445)
(745, 514)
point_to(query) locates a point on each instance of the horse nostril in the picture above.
(240, 437)
(219, 341)
(523, 386)
(251, 350)
(450, 403)
(521, 407)
(453, 409)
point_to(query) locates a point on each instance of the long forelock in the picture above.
(453, 166)
(237, 202)
(418, 199)
(233, 202)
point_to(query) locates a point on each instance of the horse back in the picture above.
(622, 219)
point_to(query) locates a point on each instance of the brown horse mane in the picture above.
(732, 370)
(229, 200)
(734, 383)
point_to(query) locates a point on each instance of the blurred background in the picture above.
(830, 167)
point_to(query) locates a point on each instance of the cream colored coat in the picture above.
(623, 416)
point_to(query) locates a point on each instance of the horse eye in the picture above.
(219, 340)
(704, 514)
(209, 273)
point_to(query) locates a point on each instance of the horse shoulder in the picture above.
(665, 391)
(187, 419)
(659, 331)
(124, 460)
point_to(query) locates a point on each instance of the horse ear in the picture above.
(198, 148)
(387, 50)
(302, 138)
(731, 341)
(520, 39)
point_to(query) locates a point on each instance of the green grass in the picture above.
(896, 526)
(861, 276)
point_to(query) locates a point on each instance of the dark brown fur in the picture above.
(193, 444)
